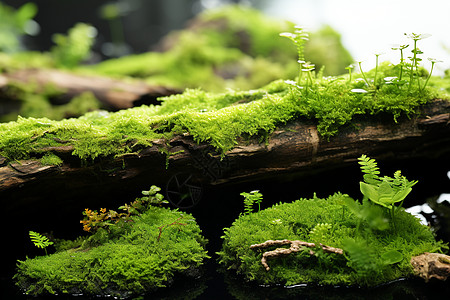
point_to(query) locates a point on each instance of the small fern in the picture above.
(250, 199)
(320, 233)
(370, 169)
(40, 241)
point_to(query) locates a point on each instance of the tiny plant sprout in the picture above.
(299, 37)
(376, 67)
(350, 68)
(433, 61)
(415, 60)
(362, 73)
(402, 60)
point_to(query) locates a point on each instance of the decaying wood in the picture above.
(113, 93)
(295, 246)
(432, 265)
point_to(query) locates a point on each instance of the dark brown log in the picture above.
(295, 148)
(113, 93)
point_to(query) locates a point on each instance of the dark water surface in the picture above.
(220, 206)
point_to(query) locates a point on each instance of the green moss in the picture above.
(133, 261)
(371, 256)
(51, 159)
(233, 47)
(217, 119)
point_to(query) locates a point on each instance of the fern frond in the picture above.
(39, 240)
(370, 169)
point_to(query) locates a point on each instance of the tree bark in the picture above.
(115, 94)
(295, 148)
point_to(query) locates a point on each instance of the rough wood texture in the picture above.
(113, 93)
(432, 265)
(295, 246)
(295, 148)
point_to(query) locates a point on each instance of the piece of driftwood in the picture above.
(295, 246)
(432, 265)
(114, 94)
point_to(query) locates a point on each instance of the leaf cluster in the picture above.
(385, 191)
(95, 220)
(40, 240)
(71, 49)
(254, 197)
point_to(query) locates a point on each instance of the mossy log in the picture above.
(294, 148)
(113, 93)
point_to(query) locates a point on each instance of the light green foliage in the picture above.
(129, 259)
(371, 256)
(232, 47)
(14, 24)
(50, 159)
(40, 241)
(384, 191)
(74, 47)
(250, 199)
(320, 232)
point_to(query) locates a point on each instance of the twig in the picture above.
(295, 246)
(171, 224)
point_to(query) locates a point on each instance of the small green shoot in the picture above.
(384, 191)
(40, 241)
(299, 38)
(250, 199)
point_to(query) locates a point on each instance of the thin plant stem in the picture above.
(401, 65)
(413, 64)
(362, 72)
(376, 71)
(429, 75)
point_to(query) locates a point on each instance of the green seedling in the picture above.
(433, 62)
(376, 69)
(299, 38)
(350, 68)
(40, 240)
(384, 191)
(415, 60)
(402, 60)
(250, 199)
(362, 73)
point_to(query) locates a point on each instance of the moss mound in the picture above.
(371, 256)
(140, 255)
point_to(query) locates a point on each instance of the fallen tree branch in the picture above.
(295, 246)
(113, 93)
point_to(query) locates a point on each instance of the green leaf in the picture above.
(392, 257)
(370, 191)
(401, 195)
(39, 240)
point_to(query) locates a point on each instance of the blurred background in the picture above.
(135, 26)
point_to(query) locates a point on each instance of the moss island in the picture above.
(140, 250)
(333, 241)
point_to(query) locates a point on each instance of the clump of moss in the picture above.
(129, 257)
(371, 256)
